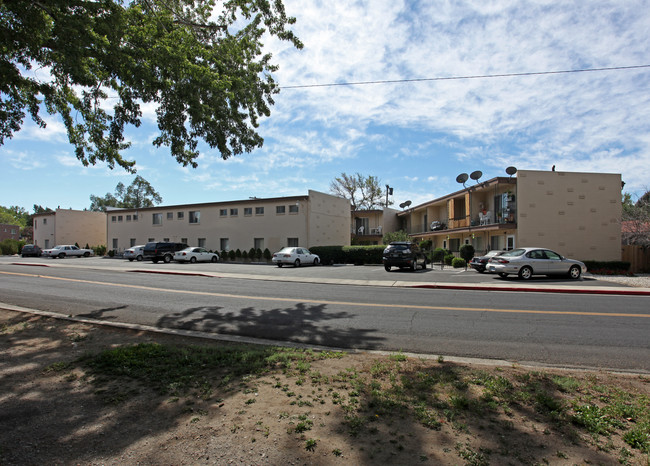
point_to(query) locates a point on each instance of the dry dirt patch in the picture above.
(303, 408)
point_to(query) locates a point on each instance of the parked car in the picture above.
(295, 257)
(526, 262)
(164, 251)
(195, 255)
(134, 253)
(31, 250)
(66, 250)
(479, 263)
(403, 254)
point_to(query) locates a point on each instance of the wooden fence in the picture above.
(638, 258)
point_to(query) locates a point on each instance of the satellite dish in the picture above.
(476, 175)
(407, 203)
(462, 178)
(402, 205)
(511, 171)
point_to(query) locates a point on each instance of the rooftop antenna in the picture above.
(511, 171)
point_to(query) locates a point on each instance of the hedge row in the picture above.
(357, 255)
(608, 267)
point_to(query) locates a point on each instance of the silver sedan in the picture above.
(526, 262)
(295, 257)
(195, 255)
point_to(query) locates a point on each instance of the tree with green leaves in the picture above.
(138, 194)
(199, 63)
(636, 220)
(363, 192)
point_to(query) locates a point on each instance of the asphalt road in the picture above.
(346, 307)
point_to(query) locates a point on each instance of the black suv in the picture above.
(164, 251)
(403, 254)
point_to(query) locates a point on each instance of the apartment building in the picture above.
(369, 226)
(8, 231)
(317, 219)
(575, 214)
(67, 226)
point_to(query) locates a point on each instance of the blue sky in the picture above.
(415, 136)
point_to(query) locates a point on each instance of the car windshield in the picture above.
(493, 253)
(514, 253)
(287, 250)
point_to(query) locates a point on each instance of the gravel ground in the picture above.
(641, 280)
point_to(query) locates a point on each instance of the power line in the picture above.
(452, 78)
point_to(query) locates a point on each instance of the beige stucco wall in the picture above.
(65, 226)
(321, 219)
(576, 214)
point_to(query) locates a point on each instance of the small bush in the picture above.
(449, 258)
(258, 254)
(438, 255)
(467, 252)
(244, 254)
(458, 262)
(267, 254)
(10, 246)
(232, 255)
(608, 267)
(99, 250)
(238, 253)
(224, 254)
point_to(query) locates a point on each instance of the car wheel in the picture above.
(167, 259)
(575, 272)
(192, 260)
(86, 254)
(525, 273)
(139, 258)
(414, 265)
(424, 264)
(61, 256)
(316, 261)
(296, 263)
(503, 275)
(387, 268)
(214, 259)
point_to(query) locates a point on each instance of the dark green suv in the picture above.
(403, 254)
(161, 251)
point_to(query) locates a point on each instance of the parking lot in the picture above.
(347, 274)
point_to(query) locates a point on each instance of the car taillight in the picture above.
(286, 255)
(185, 254)
(500, 261)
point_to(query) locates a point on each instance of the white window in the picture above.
(184, 240)
(224, 244)
(292, 242)
(132, 242)
(195, 216)
(259, 210)
(157, 219)
(234, 212)
(120, 218)
(201, 242)
(128, 218)
(293, 209)
(280, 209)
(223, 212)
(248, 211)
(114, 243)
(135, 217)
(114, 218)
(170, 215)
(180, 215)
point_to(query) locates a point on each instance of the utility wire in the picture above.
(451, 78)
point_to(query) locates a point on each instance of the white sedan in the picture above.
(295, 257)
(195, 255)
(65, 250)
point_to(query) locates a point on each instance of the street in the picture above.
(582, 330)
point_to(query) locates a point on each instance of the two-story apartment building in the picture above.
(67, 226)
(369, 226)
(8, 231)
(316, 219)
(576, 214)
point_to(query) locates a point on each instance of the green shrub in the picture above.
(608, 267)
(10, 246)
(100, 250)
(258, 254)
(244, 254)
(426, 245)
(448, 258)
(467, 252)
(111, 253)
(238, 253)
(438, 255)
(251, 253)
(232, 255)
(458, 262)
(357, 255)
(267, 254)
(400, 235)
(224, 254)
